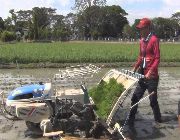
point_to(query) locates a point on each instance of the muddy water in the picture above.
(12, 78)
(169, 94)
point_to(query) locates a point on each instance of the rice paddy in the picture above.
(80, 52)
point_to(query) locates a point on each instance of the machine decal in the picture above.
(31, 111)
(16, 92)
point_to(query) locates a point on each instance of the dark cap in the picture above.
(144, 22)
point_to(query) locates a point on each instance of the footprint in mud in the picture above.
(6, 128)
(169, 116)
(145, 131)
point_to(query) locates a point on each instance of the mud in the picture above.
(169, 95)
(63, 65)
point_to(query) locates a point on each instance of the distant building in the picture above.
(25, 31)
(18, 34)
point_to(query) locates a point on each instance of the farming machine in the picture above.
(64, 106)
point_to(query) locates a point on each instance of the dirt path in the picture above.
(169, 95)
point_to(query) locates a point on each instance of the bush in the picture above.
(105, 95)
(7, 36)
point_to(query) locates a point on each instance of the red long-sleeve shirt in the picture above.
(152, 56)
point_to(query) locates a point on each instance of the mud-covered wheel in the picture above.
(33, 126)
(33, 129)
(179, 108)
(178, 113)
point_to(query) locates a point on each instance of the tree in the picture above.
(7, 36)
(128, 31)
(41, 18)
(8, 24)
(84, 8)
(176, 16)
(58, 23)
(23, 19)
(1, 24)
(135, 32)
(88, 24)
(81, 5)
(24, 15)
(30, 34)
(108, 22)
(60, 29)
(13, 16)
(70, 21)
(113, 21)
(165, 27)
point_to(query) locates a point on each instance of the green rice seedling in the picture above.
(105, 95)
(80, 52)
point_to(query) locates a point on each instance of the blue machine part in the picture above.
(26, 92)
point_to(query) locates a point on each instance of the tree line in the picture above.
(93, 20)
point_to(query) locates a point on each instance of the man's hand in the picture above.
(148, 75)
(134, 69)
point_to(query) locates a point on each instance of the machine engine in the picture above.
(74, 118)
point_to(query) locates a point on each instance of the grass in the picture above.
(80, 52)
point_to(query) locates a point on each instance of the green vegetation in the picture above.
(7, 36)
(110, 23)
(80, 52)
(105, 95)
(41, 23)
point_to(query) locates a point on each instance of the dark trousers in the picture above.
(151, 85)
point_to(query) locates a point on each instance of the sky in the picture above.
(136, 9)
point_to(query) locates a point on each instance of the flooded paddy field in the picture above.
(10, 79)
(168, 97)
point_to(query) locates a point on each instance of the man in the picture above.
(147, 64)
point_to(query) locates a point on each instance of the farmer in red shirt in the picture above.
(147, 64)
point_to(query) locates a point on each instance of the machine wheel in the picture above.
(33, 126)
(178, 113)
(179, 108)
(33, 129)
